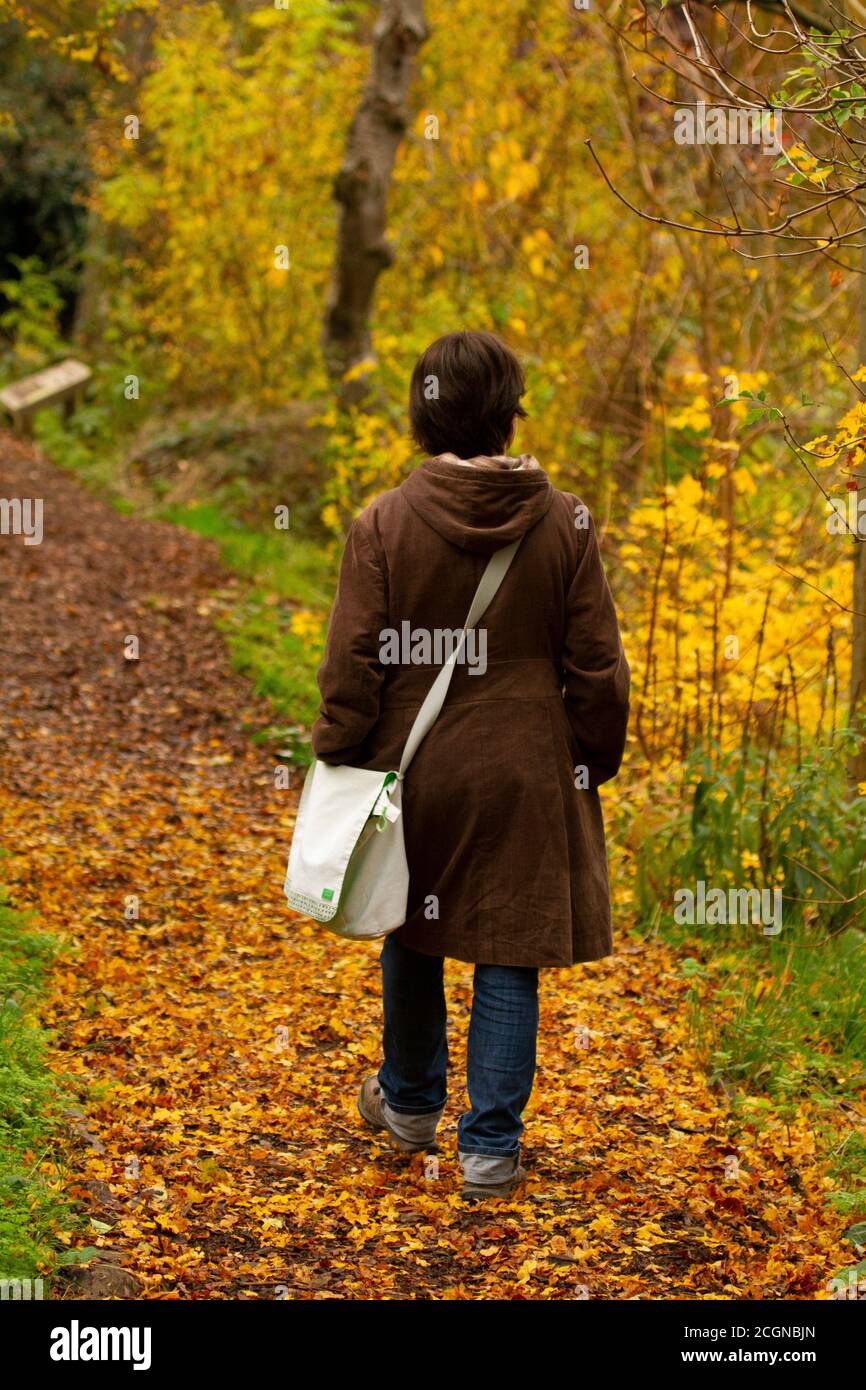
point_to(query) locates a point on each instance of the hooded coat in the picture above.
(502, 819)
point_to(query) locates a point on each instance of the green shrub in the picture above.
(33, 1207)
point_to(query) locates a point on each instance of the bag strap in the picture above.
(494, 573)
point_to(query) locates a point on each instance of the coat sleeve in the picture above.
(351, 673)
(595, 671)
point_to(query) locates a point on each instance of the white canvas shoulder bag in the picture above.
(347, 866)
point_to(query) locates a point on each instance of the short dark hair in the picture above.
(464, 395)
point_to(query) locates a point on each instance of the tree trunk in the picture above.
(136, 35)
(361, 190)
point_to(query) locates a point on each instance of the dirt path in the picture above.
(223, 1041)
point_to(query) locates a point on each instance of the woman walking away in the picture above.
(503, 826)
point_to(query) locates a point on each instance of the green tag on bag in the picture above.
(328, 894)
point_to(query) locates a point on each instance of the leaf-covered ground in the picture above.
(220, 1043)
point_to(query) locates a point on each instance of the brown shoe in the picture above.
(479, 1191)
(370, 1104)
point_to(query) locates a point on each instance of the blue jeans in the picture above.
(500, 1061)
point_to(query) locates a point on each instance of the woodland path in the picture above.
(218, 1043)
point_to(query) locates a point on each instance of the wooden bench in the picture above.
(54, 385)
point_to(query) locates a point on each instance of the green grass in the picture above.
(779, 1020)
(794, 1011)
(32, 1205)
(81, 447)
(782, 1021)
(285, 575)
(295, 569)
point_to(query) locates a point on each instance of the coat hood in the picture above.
(482, 504)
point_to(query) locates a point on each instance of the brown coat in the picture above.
(498, 837)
